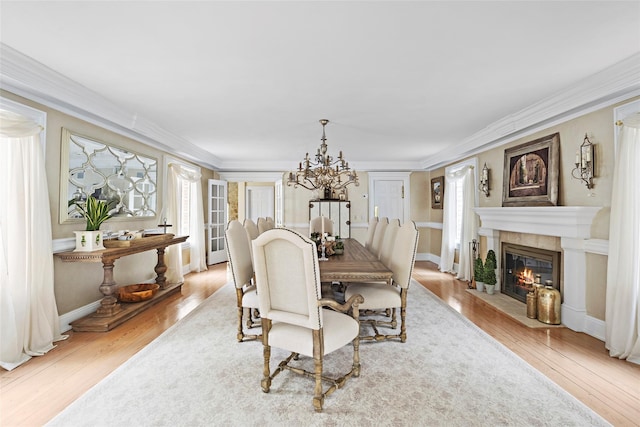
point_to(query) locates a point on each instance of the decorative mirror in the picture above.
(108, 173)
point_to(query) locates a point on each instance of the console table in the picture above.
(111, 313)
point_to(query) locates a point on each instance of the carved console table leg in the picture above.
(109, 304)
(160, 269)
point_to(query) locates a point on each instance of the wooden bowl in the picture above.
(137, 293)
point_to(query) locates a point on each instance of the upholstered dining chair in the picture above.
(270, 223)
(371, 232)
(388, 241)
(295, 317)
(315, 225)
(263, 225)
(251, 229)
(378, 236)
(241, 266)
(380, 296)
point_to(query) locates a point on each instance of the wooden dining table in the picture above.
(357, 264)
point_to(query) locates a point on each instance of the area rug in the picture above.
(511, 307)
(448, 373)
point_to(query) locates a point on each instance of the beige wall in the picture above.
(76, 284)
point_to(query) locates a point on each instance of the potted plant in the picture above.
(339, 246)
(478, 274)
(95, 212)
(490, 276)
(491, 256)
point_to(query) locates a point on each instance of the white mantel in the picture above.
(572, 224)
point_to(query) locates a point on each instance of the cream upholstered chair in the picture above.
(315, 225)
(241, 266)
(388, 241)
(251, 229)
(292, 310)
(379, 296)
(270, 223)
(378, 236)
(371, 232)
(263, 225)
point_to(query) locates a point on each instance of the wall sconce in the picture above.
(484, 180)
(585, 163)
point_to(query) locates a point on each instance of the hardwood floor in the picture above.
(34, 393)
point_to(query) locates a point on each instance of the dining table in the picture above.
(356, 264)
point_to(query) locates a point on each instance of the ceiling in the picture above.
(242, 85)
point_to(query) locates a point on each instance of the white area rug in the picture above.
(448, 373)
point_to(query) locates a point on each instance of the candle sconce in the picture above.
(585, 163)
(484, 180)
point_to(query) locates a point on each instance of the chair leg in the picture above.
(266, 352)
(318, 350)
(403, 315)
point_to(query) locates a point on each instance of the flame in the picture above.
(526, 276)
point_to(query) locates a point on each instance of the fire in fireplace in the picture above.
(523, 267)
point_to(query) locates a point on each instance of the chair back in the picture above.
(287, 278)
(404, 254)
(270, 223)
(389, 240)
(263, 225)
(378, 236)
(239, 253)
(370, 232)
(251, 229)
(315, 225)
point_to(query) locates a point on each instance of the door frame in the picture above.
(221, 254)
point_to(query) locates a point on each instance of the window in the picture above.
(459, 204)
(457, 188)
(184, 214)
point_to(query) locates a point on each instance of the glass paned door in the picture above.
(217, 206)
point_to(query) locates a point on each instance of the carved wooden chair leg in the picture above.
(318, 350)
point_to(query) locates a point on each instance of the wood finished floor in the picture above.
(34, 393)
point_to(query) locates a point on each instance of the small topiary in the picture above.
(478, 270)
(491, 256)
(490, 272)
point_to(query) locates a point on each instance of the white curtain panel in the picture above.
(469, 223)
(29, 321)
(177, 175)
(622, 314)
(461, 177)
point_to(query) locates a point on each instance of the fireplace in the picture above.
(524, 266)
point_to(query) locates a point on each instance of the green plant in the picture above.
(339, 244)
(490, 272)
(478, 270)
(95, 212)
(491, 256)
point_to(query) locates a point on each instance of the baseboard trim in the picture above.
(78, 313)
(595, 327)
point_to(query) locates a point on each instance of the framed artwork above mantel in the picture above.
(531, 173)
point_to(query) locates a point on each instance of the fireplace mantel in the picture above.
(560, 221)
(572, 224)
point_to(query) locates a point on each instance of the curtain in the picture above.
(177, 175)
(622, 315)
(29, 321)
(464, 179)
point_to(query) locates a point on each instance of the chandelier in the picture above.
(323, 173)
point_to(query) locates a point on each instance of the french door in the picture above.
(217, 221)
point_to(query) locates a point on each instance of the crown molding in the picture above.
(607, 87)
(26, 77)
(30, 79)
